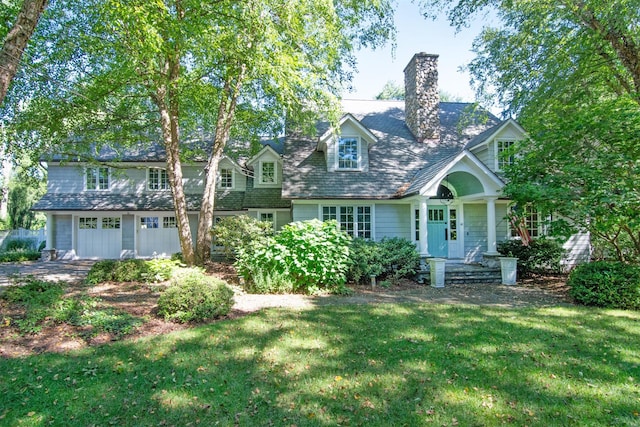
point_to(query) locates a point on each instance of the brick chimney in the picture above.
(422, 99)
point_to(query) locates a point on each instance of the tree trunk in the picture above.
(16, 41)
(226, 113)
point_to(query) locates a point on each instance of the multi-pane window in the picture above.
(348, 153)
(226, 178)
(169, 222)
(96, 178)
(158, 179)
(505, 153)
(88, 223)
(355, 220)
(526, 221)
(147, 222)
(266, 217)
(416, 219)
(111, 223)
(268, 173)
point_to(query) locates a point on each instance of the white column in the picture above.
(422, 233)
(491, 226)
(49, 244)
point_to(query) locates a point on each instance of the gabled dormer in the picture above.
(348, 149)
(230, 175)
(267, 168)
(493, 146)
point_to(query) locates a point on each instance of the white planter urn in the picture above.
(509, 269)
(436, 267)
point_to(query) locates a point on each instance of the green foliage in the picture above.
(19, 256)
(12, 245)
(193, 296)
(391, 90)
(34, 292)
(269, 282)
(390, 259)
(132, 270)
(237, 232)
(606, 284)
(541, 255)
(313, 254)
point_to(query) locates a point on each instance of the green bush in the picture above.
(131, 270)
(313, 254)
(19, 256)
(37, 297)
(390, 259)
(235, 233)
(15, 245)
(270, 282)
(541, 255)
(606, 284)
(192, 297)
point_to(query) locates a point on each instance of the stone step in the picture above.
(462, 274)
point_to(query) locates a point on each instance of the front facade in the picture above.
(420, 169)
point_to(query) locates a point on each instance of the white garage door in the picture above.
(157, 236)
(99, 237)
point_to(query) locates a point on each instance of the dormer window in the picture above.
(268, 173)
(504, 155)
(96, 178)
(157, 179)
(348, 153)
(226, 178)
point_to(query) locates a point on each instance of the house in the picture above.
(420, 169)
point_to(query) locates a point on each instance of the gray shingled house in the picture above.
(421, 169)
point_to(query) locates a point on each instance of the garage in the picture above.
(99, 237)
(158, 236)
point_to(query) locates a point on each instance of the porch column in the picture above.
(49, 243)
(422, 233)
(491, 226)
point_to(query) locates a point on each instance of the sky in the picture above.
(417, 34)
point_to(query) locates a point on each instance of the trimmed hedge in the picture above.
(390, 259)
(606, 284)
(131, 270)
(541, 255)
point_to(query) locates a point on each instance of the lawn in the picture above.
(414, 364)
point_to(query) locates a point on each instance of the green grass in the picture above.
(377, 365)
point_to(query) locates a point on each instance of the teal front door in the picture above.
(437, 231)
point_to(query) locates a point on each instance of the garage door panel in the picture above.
(99, 237)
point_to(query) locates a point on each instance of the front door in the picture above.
(437, 231)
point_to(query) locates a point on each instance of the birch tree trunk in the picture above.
(16, 41)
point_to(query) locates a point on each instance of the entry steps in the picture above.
(459, 273)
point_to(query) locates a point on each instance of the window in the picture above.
(169, 222)
(525, 221)
(158, 179)
(355, 220)
(226, 178)
(268, 173)
(266, 217)
(416, 219)
(147, 222)
(110, 223)
(504, 153)
(97, 178)
(348, 153)
(88, 224)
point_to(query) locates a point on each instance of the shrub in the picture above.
(131, 270)
(606, 284)
(541, 255)
(235, 233)
(19, 256)
(192, 297)
(312, 253)
(390, 259)
(14, 245)
(270, 282)
(37, 297)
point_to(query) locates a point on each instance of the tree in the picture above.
(25, 188)
(391, 90)
(16, 39)
(570, 71)
(175, 69)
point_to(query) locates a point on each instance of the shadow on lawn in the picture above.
(351, 365)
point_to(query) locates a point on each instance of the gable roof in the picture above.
(395, 161)
(487, 135)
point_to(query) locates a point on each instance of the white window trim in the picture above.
(274, 213)
(97, 169)
(159, 179)
(275, 172)
(540, 226)
(359, 154)
(233, 179)
(497, 150)
(355, 213)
